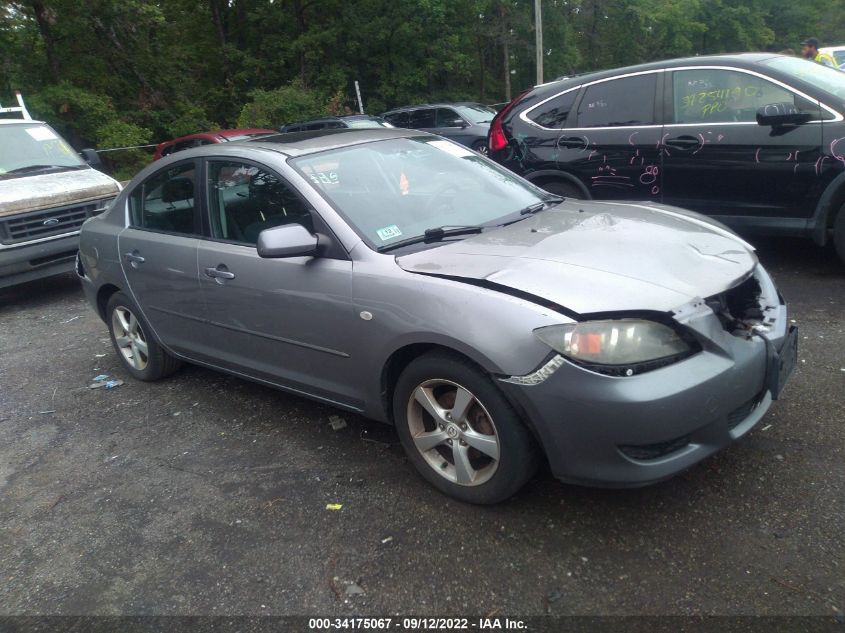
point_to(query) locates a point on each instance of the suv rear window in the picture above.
(553, 113)
(619, 102)
(399, 119)
(421, 119)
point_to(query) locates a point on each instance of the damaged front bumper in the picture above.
(636, 430)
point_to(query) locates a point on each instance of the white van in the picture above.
(46, 192)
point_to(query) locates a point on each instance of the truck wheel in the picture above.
(460, 432)
(134, 342)
(839, 233)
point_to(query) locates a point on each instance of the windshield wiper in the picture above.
(435, 234)
(28, 168)
(531, 209)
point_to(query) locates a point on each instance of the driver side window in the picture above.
(710, 95)
(244, 199)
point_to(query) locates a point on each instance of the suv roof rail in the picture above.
(21, 108)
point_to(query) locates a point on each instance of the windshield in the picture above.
(822, 77)
(30, 145)
(395, 189)
(476, 113)
(372, 121)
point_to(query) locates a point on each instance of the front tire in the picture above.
(136, 347)
(460, 432)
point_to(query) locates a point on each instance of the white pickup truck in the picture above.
(46, 192)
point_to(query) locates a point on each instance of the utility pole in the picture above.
(538, 27)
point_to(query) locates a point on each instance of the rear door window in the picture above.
(554, 113)
(399, 119)
(627, 101)
(422, 119)
(166, 201)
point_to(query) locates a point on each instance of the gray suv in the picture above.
(466, 122)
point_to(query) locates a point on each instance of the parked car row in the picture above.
(756, 141)
(498, 321)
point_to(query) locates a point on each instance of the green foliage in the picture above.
(106, 71)
(272, 108)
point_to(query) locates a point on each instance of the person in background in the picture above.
(810, 50)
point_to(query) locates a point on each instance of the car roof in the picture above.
(743, 60)
(221, 133)
(444, 104)
(301, 143)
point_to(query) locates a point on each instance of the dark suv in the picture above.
(335, 123)
(466, 122)
(755, 140)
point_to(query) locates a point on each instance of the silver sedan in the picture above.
(404, 277)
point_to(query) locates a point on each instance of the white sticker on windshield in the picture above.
(452, 148)
(41, 133)
(389, 232)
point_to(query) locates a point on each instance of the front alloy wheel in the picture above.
(459, 431)
(453, 432)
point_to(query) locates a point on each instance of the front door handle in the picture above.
(221, 272)
(134, 258)
(683, 142)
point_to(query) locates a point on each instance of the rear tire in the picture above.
(563, 188)
(133, 340)
(460, 432)
(481, 148)
(839, 233)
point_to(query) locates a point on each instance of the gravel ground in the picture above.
(206, 494)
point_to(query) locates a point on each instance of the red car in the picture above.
(207, 138)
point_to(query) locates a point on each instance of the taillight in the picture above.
(496, 139)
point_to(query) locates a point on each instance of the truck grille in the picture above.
(27, 227)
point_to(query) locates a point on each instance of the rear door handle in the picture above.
(134, 258)
(219, 273)
(576, 142)
(683, 142)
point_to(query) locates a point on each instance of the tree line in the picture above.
(112, 73)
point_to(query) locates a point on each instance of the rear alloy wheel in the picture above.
(129, 339)
(481, 148)
(134, 342)
(460, 432)
(839, 233)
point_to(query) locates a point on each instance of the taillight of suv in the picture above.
(496, 139)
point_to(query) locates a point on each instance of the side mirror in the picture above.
(288, 240)
(91, 157)
(779, 114)
(456, 123)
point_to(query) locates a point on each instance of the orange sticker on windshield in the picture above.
(404, 185)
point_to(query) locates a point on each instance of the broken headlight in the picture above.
(619, 347)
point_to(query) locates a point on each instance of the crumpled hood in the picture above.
(43, 191)
(594, 257)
